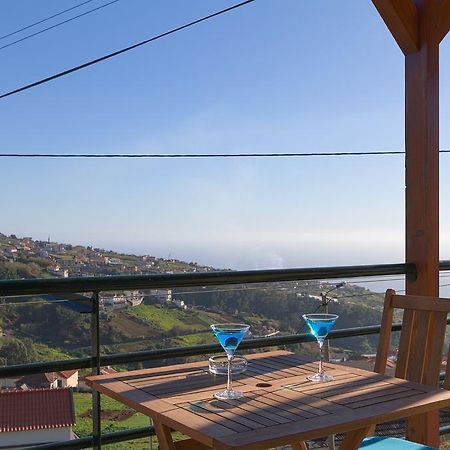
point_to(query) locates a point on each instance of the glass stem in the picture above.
(230, 357)
(321, 358)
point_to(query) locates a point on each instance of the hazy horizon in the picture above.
(228, 85)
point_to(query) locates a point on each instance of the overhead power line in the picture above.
(44, 20)
(123, 50)
(199, 155)
(58, 24)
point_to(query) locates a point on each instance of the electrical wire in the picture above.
(44, 20)
(123, 50)
(58, 24)
(199, 155)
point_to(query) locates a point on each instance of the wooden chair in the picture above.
(419, 359)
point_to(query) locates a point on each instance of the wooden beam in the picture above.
(422, 159)
(443, 22)
(422, 183)
(401, 18)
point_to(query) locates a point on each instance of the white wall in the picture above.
(34, 437)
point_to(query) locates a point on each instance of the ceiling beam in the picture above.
(443, 24)
(401, 17)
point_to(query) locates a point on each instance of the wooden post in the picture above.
(422, 155)
(418, 26)
(422, 187)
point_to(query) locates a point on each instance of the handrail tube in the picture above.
(175, 352)
(73, 444)
(158, 281)
(107, 438)
(444, 265)
(126, 435)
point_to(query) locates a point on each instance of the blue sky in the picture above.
(274, 76)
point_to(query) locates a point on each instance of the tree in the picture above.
(18, 351)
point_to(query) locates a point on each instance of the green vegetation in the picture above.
(161, 318)
(195, 339)
(16, 270)
(115, 415)
(46, 353)
(16, 351)
(174, 320)
(54, 331)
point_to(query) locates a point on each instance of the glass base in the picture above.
(228, 394)
(320, 378)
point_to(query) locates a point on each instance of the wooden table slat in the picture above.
(280, 406)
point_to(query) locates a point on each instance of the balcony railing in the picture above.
(96, 360)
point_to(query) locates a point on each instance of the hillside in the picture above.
(54, 331)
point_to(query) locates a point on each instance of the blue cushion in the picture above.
(387, 443)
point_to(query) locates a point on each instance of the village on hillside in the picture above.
(66, 260)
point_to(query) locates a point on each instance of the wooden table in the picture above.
(280, 406)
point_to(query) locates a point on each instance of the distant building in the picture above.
(37, 416)
(114, 301)
(37, 381)
(67, 378)
(54, 247)
(135, 298)
(58, 271)
(108, 370)
(120, 300)
(51, 380)
(8, 383)
(113, 261)
(179, 303)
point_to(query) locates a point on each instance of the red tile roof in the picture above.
(36, 409)
(40, 380)
(66, 373)
(108, 370)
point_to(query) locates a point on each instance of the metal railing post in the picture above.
(95, 354)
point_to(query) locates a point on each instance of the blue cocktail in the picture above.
(320, 325)
(230, 336)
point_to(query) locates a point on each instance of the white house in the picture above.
(135, 298)
(119, 300)
(67, 378)
(179, 303)
(50, 380)
(35, 416)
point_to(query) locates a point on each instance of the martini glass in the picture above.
(230, 336)
(320, 325)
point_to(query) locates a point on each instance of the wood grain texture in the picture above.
(286, 410)
(354, 439)
(384, 341)
(164, 436)
(422, 178)
(299, 446)
(422, 155)
(190, 444)
(443, 24)
(420, 353)
(401, 18)
(421, 428)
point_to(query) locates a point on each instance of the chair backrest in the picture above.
(421, 340)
